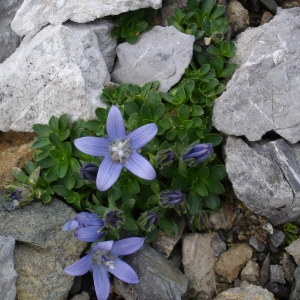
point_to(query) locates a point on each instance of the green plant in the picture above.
(131, 24)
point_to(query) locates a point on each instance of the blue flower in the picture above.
(87, 227)
(119, 150)
(102, 259)
(169, 198)
(148, 220)
(197, 153)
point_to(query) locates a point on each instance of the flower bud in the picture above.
(18, 195)
(165, 158)
(89, 171)
(170, 198)
(197, 153)
(148, 220)
(114, 218)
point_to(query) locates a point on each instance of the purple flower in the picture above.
(197, 153)
(169, 198)
(87, 227)
(148, 220)
(119, 150)
(89, 171)
(102, 259)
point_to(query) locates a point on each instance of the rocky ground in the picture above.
(236, 245)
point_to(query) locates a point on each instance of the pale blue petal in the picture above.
(89, 219)
(115, 124)
(140, 166)
(92, 145)
(123, 271)
(80, 267)
(127, 246)
(142, 135)
(88, 234)
(101, 282)
(70, 225)
(103, 246)
(108, 174)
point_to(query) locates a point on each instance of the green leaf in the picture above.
(53, 124)
(55, 140)
(213, 138)
(194, 201)
(215, 187)
(41, 129)
(130, 224)
(146, 113)
(201, 189)
(130, 107)
(40, 142)
(218, 172)
(19, 175)
(212, 201)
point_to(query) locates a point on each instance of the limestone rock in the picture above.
(198, 260)
(61, 70)
(35, 14)
(294, 250)
(42, 250)
(7, 273)
(159, 279)
(246, 292)
(263, 93)
(251, 272)
(265, 178)
(232, 261)
(148, 60)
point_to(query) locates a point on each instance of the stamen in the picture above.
(120, 150)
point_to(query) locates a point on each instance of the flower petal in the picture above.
(88, 234)
(89, 219)
(142, 135)
(115, 124)
(70, 225)
(101, 282)
(108, 174)
(123, 271)
(80, 267)
(103, 246)
(139, 166)
(92, 145)
(127, 246)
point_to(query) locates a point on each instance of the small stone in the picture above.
(251, 272)
(222, 219)
(288, 267)
(277, 238)
(238, 16)
(278, 290)
(265, 271)
(256, 244)
(218, 245)
(266, 17)
(294, 250)
(296, 289)
(232, 261)
(277, 274)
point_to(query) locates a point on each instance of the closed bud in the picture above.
(170, 198)
(197, 153)
(165, 158)
(18, 195)
(89, 171)
(148, 220)
(114, 218)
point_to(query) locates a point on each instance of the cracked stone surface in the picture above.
(266, 177)
(35, 14)
(263, 94)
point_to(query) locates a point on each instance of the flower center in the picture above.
(120, 151)
(102, 257)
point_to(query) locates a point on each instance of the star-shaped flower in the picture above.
(119, 150)
(102, 259)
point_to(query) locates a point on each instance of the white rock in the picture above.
(34, 14)
(61, 70)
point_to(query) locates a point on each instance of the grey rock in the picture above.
(7, 273)
(9, 40)
(278, 290)
(266, 178)
(218, 245)
(265, 271)
(35, 14)
(295, 294)
(256, 244)
(288, 267)
(42, 250)
(159, 279)
(61, 70)
(198, 259)
(262, 94)
(148, 60)
(246, 291)
(277, 274)
(276, 239)
(294, 249)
